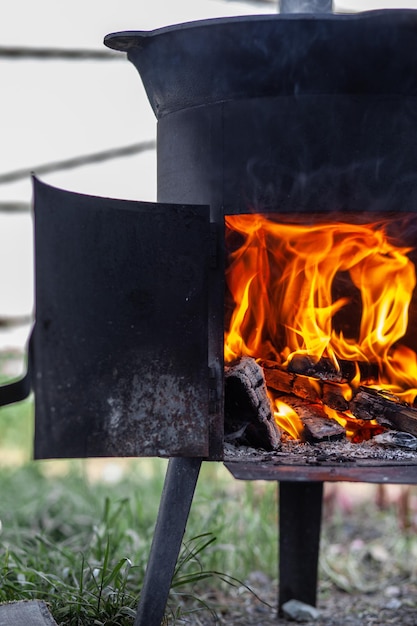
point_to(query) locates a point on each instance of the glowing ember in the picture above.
(338, 291)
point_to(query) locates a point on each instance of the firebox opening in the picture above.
(320, 319)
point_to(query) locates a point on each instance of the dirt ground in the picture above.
(367, 572)
(396, 604)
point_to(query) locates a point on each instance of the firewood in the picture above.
(326, 370)
(385, 408)
(321, 368)
(248, 409)
(333, 396)
(307, 387)
(301, 386)
(317, 425)
(276, 377)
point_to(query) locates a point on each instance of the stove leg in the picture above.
(300, 506)
(177, 495)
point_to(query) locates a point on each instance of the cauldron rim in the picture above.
(124, 41)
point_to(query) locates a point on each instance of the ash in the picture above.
(329, 452)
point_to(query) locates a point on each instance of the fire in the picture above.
(287, 418)
(356, 430)
(339, 291)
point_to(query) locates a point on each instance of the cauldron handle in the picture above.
(19, 389)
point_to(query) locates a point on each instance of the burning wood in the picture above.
(334, 395)
(325, 369)
(250, 419)
(322, 368)
(317, 426)
(364, 406)
(248, 411)
(323, 308)
(386, 409)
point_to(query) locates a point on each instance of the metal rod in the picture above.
(86, 159)
(300, 505)
(306, 6)
(177, 495)
(19, 52)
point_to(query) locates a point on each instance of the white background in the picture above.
(54, 110)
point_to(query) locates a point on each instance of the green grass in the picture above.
(81, 544)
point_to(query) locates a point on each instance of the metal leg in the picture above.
(177, 495)
(299, 540)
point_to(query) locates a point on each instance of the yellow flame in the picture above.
(281, 280)
(287, 419)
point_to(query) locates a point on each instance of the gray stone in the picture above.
(299, 611)
(26, 613)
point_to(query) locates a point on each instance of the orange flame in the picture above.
(287, 419)
(285, 281)
(356, 430)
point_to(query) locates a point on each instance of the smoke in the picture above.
(306, 6)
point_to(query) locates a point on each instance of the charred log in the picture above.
(313, 389)
(249, 419)
(317, 425)
(321, 368)
(325, 369)
(385, 408)
(276, 377)
(287, 382)
(333, 395)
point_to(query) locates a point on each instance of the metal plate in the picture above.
(120, 345)
(396, 473)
